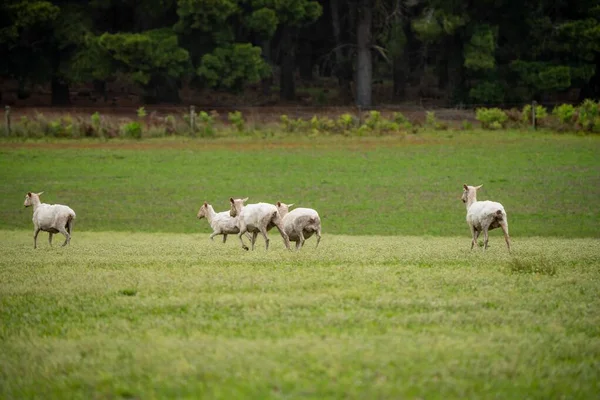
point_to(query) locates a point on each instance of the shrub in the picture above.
(141, 112)
(588, 116)
(401, 120)
(540, 113)
(491, 118)
(206, 123)
(323, 124)
(132, 129)
(430, 119)
(293, 125)
(564, 113)
(237, 119)
(346, 122)
(466, 125)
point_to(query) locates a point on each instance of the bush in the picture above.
(540, 113)
(588, 116)
(564, 113)
(132, 130)
(346, 122)
(237, 119)
(491, 118)
(206, 123)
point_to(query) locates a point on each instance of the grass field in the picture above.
(391, 305)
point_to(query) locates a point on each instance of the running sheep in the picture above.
(300, 223)
(51, 218)
(483, 216)
(221, 223)
(256, 218)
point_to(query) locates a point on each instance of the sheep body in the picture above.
(222, 223)
(51, 218)
(257, 218)
(300, 223)
(483, 216)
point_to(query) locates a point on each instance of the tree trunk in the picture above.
(343, 67)
(60, 92)
(305, 64)
(364, 66)
(100, 88)
(267, 82)
(162, 90)
(287, 88)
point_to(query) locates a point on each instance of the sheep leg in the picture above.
(36, 231)
(485, 238)
(263, 231)
(475, 234)
(253, 239)
(224, 237)
(301, 239)
(67, 236)
(318, 233)
(50, 239)
(298, 245)
(242, 231)
(286, 239)
(212, 235)
(504, 227)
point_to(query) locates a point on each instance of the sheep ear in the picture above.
(40, 193)
(478, 187)
(465, 186)
(245, 200)
(29, 194)
(205, 204)
(278, 204)
(231, 200)
(289, 205)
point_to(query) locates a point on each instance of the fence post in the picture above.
(193, 119)
(533, 121)
(7, 119)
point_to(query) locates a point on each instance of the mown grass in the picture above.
(549, 184)
(147, 315)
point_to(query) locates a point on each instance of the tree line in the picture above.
(460, 51)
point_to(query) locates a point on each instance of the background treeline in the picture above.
(494, 52)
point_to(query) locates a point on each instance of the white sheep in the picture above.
(300, 223)
(51, 218)
(483, 216)
(222, 223)
(257, 218)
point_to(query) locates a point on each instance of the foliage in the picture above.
(491, 118)
(479, 52)
(237, 119)
(540, 113)
(565, 113)
(206, 124)
(589, 115)
(141, 112)
(487, 93)
(146, 55)
(132, 130)
(233, 66)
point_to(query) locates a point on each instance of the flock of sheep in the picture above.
(251, 219)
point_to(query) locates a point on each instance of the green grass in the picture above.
(146, 315)
(391, 305)
(549, 184)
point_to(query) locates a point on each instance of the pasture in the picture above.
(391, 305)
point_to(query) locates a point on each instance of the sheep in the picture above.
(256, 218)
(221, 223)
(300, 223)
(483, 216)
(51, 218)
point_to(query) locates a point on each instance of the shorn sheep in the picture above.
(483, 216)
(222, 223)
(51, 218)
(256, 218)
(300, 223)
